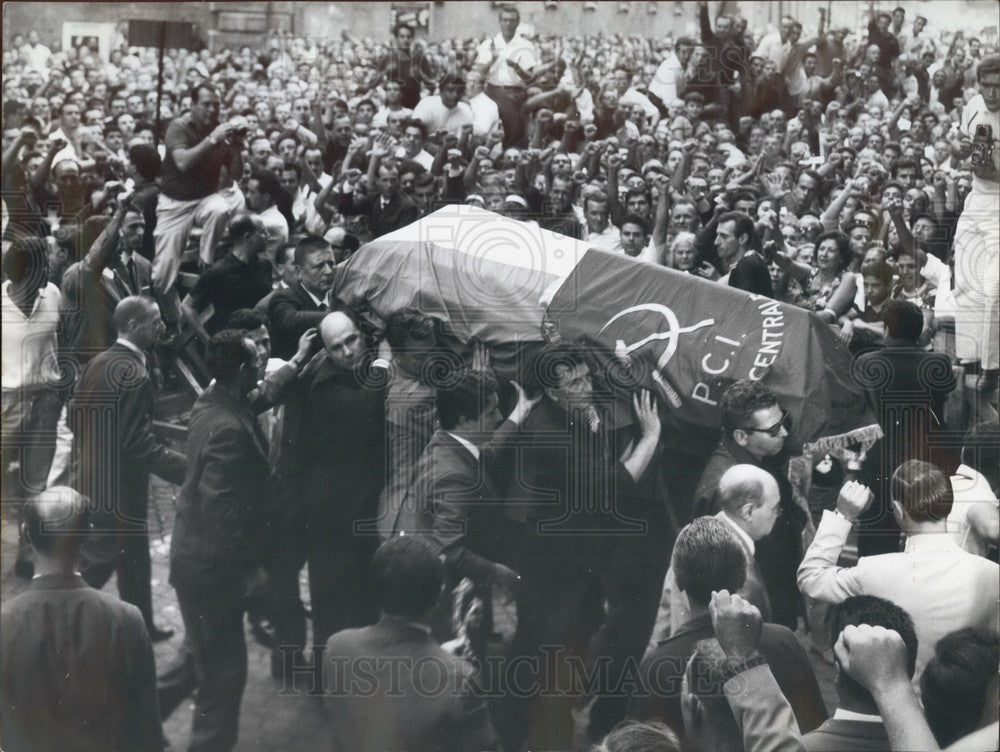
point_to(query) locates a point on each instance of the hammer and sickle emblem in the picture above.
(672, 334)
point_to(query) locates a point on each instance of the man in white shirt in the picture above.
(445, 110)
(31, 377)
(506, 62)
(941, 586)
(262, 190)
(601, 234)
(35, 54)
(670, 78)
(414, 136)
(485, 114)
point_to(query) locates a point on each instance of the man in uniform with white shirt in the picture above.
(485, 114)
(506, 62)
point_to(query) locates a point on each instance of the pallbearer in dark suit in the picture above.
(220, 535)
(76, 665)
(454, 501)
(115, 451)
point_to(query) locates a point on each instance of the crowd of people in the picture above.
(468, 583)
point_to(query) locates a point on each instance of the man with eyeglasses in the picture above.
(755, 431)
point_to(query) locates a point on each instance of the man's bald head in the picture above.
(57, 521)
(341, 339)
(750, 497)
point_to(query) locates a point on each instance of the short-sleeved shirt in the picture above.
(436, 116)
(29, 342)
(975, 114)
(228, 285)
(518, 49)
(203, 177)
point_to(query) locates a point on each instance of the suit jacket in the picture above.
(840, 735)
(417, 698)
(291, 312)
(662, 671)
(762, 712)
(779, 552)
(942, 587)
(111, 417)
(91, 292)
(225, 508)
(455, 502)
(344, 446)
(675, 609)
(76, 671)
(399, 212)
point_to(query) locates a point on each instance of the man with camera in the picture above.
(977, 234)
(198, 148)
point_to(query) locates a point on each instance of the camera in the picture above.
(982, 145)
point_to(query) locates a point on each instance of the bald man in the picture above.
(751, 504)
(345, 430)
(78, 669)
(115, 450)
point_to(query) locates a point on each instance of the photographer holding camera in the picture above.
(977, 235)
(198, 148)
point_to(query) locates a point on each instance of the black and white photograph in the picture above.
(542, 376)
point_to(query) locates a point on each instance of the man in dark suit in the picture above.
(856, 725)
(453, 499)
(423, 697)
(220, 535)
(388, 209)
(76, 665)
(302, 306)
(345, 432)
(114, 453)
(709, 556)
(111, 271)
(754, 431)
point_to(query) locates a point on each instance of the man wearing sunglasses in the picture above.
(755, 431)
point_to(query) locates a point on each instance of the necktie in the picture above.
(133, 278)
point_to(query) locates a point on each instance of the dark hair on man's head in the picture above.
(202, 84)
(898, 165)
(57, 521)
(465, 397)
(415, 123)
(990, 64)
(247, 320)
(227, 351)
(146, 160)
(26, 258)
(878, 269)
(451, 78)
(411, 323)
(741, 400)
(694, 96)
(876, 612)
(903, 320)
(407, 576)
(955, 681)
(543, 371)
(286, 166)
(981, 450)
(639, 736)
(268, 183)
(308, 245)
(744, 224)
(708, 556)
(924, 491)
(635, 219)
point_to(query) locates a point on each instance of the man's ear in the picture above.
(897, 509)
(740, 436)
